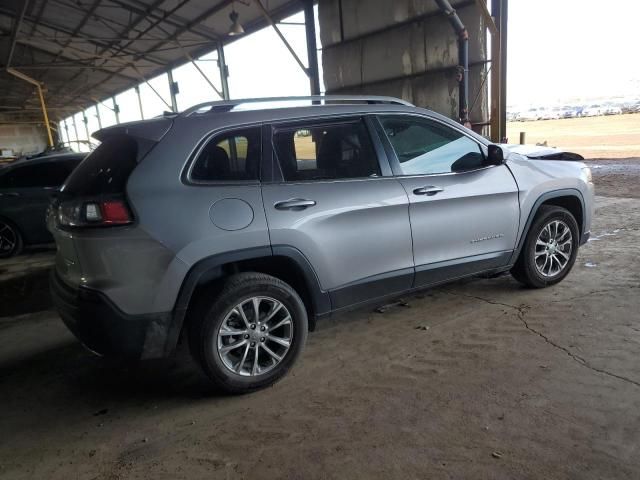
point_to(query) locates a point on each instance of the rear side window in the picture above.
(106, 169)
(326, 152)
(40, 175)
(426, 147)
(230, 156)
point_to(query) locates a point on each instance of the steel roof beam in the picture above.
(167, 16)
(17, 23)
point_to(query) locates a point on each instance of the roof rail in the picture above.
(228, 105)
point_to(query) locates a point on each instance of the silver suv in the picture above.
(236, 225)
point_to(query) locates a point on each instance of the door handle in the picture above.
(430, 190)
(294, 204)
(9, 194)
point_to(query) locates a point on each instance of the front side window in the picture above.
(231, 156)
(326, 152)
(426, 147)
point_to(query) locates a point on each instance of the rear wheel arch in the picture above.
(206, 279)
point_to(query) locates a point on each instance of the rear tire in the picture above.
(241, 350)
(10, 239)
(550, 249)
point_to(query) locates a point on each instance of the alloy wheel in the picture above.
(8, 239)
(255, 336)
(553, 248)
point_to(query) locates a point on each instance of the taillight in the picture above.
(93, 213)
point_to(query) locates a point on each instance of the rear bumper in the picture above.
(104, 329)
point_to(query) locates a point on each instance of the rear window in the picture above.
(38, 175)
(106, 169)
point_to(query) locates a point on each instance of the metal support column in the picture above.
(85, 120)
(75, 129)
(224, 72)
(172, 92)
(312, 49)
(98, 116)
(499, 72)
(503, 20)
(116, 109)
(496, 127)
(137, 89)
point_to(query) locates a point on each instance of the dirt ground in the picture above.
(478, 379)
(615, 136)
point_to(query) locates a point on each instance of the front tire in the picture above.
(250, 334)
(550, 248)
(10, 239)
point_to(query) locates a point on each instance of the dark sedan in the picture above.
(26, 187)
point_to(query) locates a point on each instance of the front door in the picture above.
(333, 204)
(464, 214)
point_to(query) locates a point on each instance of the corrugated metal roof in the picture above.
(83, 50)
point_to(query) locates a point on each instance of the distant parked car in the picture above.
(26, 187)
(612, 110)
(593, 111)
(528, 115)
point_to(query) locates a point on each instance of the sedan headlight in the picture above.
(587, 173)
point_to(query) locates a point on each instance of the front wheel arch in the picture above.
(570, 199)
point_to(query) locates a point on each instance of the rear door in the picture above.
(334, 199)
(464, 214)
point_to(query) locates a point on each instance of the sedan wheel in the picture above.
(10, 240)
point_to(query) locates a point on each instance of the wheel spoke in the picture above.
(564, 255)
(227, 332)
(275, 309)
(256, 364)
(541, 243)
(546, 260)
(539, 254)
(233, 346)
(564, 234)
(244, 357)
(285, 321)
(239, 310)
(256, 309)
(279, 341)
(272, 353)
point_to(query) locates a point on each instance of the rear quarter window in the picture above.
(106, 169)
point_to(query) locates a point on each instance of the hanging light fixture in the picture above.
(236, 26)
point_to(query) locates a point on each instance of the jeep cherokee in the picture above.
(235, 225)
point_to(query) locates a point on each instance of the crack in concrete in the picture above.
(522, 311)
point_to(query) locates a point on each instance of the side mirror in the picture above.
(496, 155)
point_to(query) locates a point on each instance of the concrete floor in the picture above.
(478, 379)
